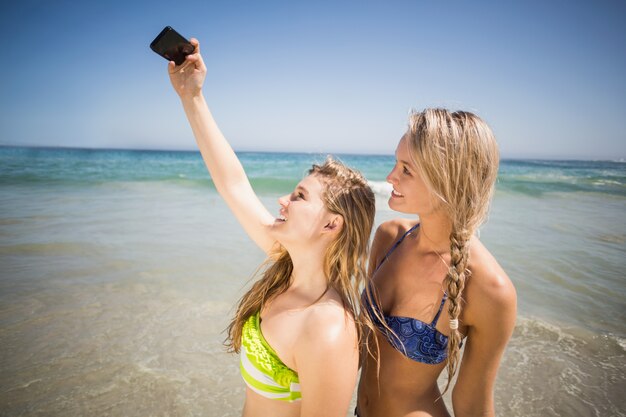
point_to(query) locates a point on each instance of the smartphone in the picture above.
(171, 45)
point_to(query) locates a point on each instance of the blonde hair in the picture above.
(346, 193)
(457, 156)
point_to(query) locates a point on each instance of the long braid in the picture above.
(455, 283)
(457, 157)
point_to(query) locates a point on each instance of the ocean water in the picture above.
(119, 271)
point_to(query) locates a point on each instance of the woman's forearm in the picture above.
(219, 157)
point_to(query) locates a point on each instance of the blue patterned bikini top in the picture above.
(417, 340)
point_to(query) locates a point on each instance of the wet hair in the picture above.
(346, 193)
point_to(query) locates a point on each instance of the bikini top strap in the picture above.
(443, 300)
(395, 245)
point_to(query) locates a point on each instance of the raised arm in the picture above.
(226, 171)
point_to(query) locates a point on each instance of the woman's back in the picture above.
(294, 317)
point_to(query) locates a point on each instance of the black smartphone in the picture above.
(171, 45)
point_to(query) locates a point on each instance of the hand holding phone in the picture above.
(187, 77)
(172, 46)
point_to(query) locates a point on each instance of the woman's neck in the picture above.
(434, 232)
(308, 272)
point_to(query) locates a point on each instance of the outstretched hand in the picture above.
(187, 78)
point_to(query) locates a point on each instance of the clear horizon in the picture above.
(502, 158)
(549, 78)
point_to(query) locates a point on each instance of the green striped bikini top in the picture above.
(262, 369)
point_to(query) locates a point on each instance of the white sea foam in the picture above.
(578, 362)
(606, 182)
(622, 342)
(380, 188)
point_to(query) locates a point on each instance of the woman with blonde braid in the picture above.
(295, 329)
(435, 287)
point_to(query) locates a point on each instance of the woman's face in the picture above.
(303, 215)
(410, 193)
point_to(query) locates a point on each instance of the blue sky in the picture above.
(549, 77)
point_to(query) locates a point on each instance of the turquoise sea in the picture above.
(119, 270)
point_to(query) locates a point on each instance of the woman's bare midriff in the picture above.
(402, 388)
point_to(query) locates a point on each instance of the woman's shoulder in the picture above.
(386, 234)
(392, 230)
(488, 283)
(395, 227)
(327, 339)
(328, 323)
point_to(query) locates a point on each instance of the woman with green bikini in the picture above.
(296, 329)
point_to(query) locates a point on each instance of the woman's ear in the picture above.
(334, 224)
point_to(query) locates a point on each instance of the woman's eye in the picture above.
(300, 195)
(405, 171)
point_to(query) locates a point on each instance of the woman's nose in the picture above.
(283, 201)
(391, 177)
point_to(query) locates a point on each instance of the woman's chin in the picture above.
(395, 204)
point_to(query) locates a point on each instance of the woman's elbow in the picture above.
(472, 406)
